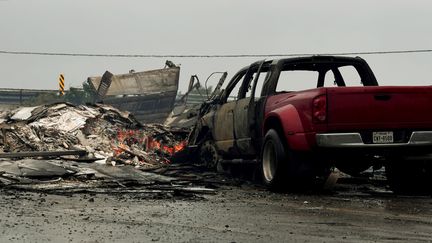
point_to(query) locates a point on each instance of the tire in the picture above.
(283, 169)
(410, 177)
(208, 154)
(273, 161)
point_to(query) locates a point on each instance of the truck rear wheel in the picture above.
(284, 169)
(410, 177)
(273, 161)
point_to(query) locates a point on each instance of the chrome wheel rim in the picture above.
(269, 161)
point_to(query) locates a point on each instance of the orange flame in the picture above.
(125, 138)
(118, 149)
(156, 145)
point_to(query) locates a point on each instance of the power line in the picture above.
(210, 56)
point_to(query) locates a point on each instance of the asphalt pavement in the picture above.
(240, 213)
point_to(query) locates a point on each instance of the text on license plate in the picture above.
(382, 137)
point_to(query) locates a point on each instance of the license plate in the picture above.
(382, 137)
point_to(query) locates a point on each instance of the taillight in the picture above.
(319, 109)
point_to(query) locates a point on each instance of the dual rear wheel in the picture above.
(273, 159)
(284, 169)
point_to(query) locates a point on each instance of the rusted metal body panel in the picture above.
(232, 124)
(151, 108)
(147, 82)
(149, 95)
(224, 126)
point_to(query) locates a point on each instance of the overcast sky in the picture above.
(206, 27)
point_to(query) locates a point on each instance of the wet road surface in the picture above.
(246, 213)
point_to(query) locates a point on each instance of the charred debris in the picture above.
(100, 132)
(108, 145)
(67, 142)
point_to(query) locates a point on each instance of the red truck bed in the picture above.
(378, 108)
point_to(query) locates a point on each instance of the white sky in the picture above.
(206, 27)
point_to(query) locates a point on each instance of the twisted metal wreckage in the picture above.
(63, 147)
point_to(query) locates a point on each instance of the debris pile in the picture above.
(107, 134)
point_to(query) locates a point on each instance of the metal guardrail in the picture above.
(19, 96)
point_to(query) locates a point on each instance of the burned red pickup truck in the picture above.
(299, 117)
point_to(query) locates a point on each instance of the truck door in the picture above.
(223, 123)
(245, 114)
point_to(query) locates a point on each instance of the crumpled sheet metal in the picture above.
(154, 81)
(23, 113)
(67, 120)
(107, 134)
(33, 168)
(60, 177)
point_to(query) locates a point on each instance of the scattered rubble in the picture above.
(63, 140)
(107, 134)
(68, 177)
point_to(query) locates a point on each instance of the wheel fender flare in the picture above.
(291, 126)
